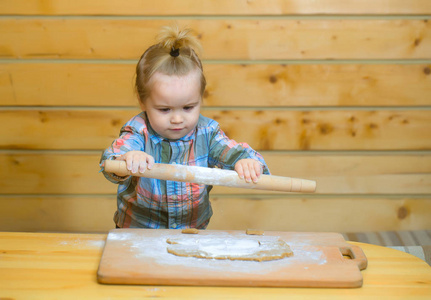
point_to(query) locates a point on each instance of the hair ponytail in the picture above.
(174, 54)
(174, 38)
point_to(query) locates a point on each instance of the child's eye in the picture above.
(188, 108)
(164, 109)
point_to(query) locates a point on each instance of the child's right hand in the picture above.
(137, 160)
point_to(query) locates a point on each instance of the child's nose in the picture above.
(176, 118)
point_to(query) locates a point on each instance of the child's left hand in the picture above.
(250, 169)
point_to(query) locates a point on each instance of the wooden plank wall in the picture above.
(338, 91)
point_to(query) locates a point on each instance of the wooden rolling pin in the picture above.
(210, 176)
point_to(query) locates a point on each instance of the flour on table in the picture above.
(245, 248)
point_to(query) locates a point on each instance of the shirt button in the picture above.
(173, 226)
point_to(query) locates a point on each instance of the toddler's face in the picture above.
(173, 106)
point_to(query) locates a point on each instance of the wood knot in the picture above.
(273, 79)
(115, 122)
(427, 70)
(15, 162)
(403, 212)
(325, 128)
(373, 126)
(43, 117)
(278, 121)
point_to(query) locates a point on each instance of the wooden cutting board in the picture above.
(139, 256)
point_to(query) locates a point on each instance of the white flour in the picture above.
(215, 247)
(213, 176)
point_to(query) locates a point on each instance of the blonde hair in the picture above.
(174, 54)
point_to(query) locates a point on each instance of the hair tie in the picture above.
(175, 52)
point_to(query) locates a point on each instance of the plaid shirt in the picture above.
(153, 203)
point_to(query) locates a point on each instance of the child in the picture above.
(170, 84)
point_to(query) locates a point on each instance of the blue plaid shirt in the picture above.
(153, 203)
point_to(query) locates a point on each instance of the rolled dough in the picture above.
(190, 231)
(254, 232)
(247, 248)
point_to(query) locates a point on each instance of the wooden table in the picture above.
(63, 266)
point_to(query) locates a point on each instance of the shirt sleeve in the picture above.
(224, 152)
(130, 139)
